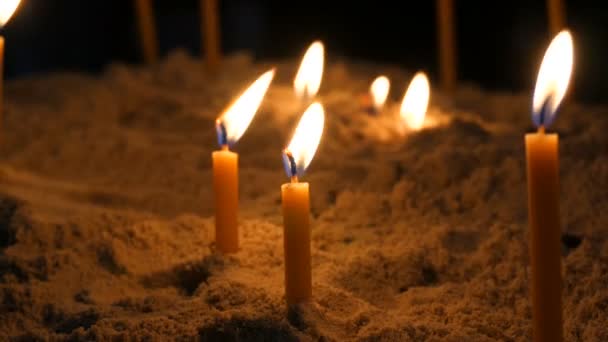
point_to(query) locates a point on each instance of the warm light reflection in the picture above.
(7, 8)
(415, 101)
(553, 79)
(233, 123)
(379, 91)
(298, 155)
(308, 77)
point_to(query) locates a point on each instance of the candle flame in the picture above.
(553, 78)
(379, 90)
(7, 8)
(233, 123)
(298, 155)
(308, 77)
(415, 101)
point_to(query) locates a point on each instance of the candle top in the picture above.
(233, 123)
(300, 151)
(553, 78)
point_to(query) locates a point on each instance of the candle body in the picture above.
(1, 86)
(211, 33)
(226, 192)
(545, 236)
(447, 45)
(147, 30)
(556, 11)
(296, 242)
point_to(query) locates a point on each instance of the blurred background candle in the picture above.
(308, 78)
(7, 8)
(210, 31)
(296, 205)
(379, 92)
(543, 191)
(147, 30)
(415, 102)
(230, 127)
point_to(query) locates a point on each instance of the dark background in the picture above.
(500, 44)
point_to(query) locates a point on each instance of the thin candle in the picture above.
(308, 78)
(147, 30)
(7, 8)
(543, 191)
(296, 205)
(211, 34)
(231, 125)
(556, 11)
(415, 102)
(447, 44)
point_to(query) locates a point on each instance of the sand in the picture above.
(106, 213)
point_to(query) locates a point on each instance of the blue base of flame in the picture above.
(291, 167)
(222, 136)
(544, 117)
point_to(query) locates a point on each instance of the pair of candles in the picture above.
(414, 103)
(297, 156)
(295, 195)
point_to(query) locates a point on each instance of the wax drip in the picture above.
(222, 136)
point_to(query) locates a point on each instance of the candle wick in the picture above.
(293, 168)
(222, 135)
(541, 129)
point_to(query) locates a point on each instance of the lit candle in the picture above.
(230, 127)
(378, 93)
(7, 8)
(415, 102)
(543, 191)
(308, 78)
(296, 205)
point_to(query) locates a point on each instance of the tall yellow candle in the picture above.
(296, 206)
(226, 192)
(296, 242)
(230, 126)
(543, 192)
(7, 8)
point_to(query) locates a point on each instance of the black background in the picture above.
(500, 44)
